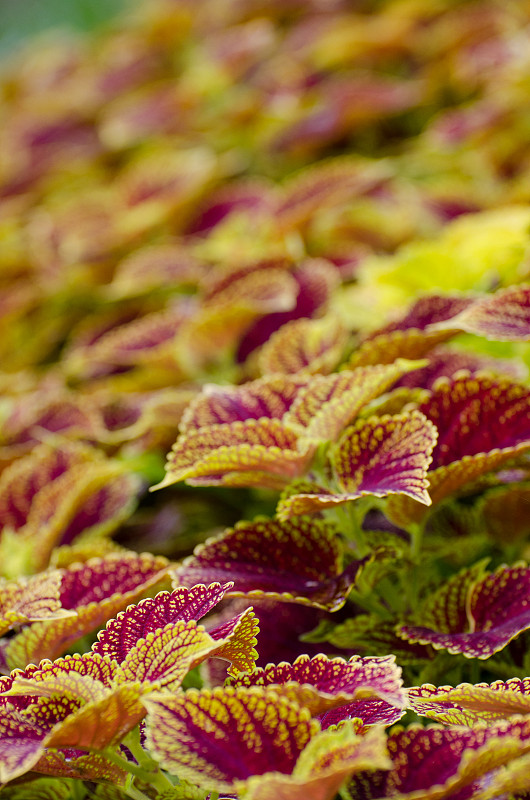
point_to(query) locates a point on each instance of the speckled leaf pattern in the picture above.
(299, 560)
(88, 498)
(223, 736)
(165, 656)
(152, 614)
(477, 414)
(35, 598)
(102, 723)
(236, 641)
(269, 397)
(330, 402)
(69, 673)
(264, 445)
(502, 317)
(386, 455)
(324, 764)
(387, 347)
(96, 591)
(304, 346)
(22, 482)
(335, 682)
(409, 337)
(467, 704)
(455, 758)
(20, 744)
(486, 614)
(482, 422)
(90, 767)
(368, 711)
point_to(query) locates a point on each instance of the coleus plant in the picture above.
(287, 243)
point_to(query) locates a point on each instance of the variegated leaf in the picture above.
(262, 445)
(483, 423)
(270, 397)
(368, 711)
(323, 765)
(236, 640)
(166, 266)
(122, 634)
(32, 599)
(22, 482)
(434, 762)
(503, 316)
(467, 704)
(298, 561)
(316, 279)
(164, 656)
(330, 402)
(483, 616)
(88, 498)
(304, 346)
(101, 723)
(90, 767)
(96, 591)
(334, 682)
(20, 744)
(220, 737)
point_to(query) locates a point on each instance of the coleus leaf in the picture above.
(152, 614)
(477, 615)
(303, 346)
(298, 561)
(264, 286)
(270, 396)
(88, 767)
(166, 655)
(156, 619)
(51, 411)
(326, 184)
(22, 481)
(467, 704)
(222, 736)
(377, 456)
(254, 446)
(436, 762)
(95, 591)
(31, 599)
(367, 711)
(411, 336)
(369, 634)
(502, 317)
(156, 266)
(20, 744)
(323, 765)
(330, 402)
(483, 422)
(152, 415)
(321, 683)
(316, 279)
(89, 498)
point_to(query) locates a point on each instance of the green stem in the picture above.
(154, 778)
(415, 529)
(350, 526)
(135, 793)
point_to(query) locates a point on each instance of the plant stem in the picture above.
(154, 778)
(350, 526)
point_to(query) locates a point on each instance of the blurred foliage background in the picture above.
(21, 18)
